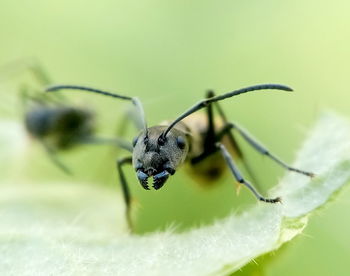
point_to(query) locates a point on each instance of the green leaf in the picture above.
(76, 231)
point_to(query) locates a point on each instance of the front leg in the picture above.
(125, 188)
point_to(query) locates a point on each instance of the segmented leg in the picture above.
(261, 149)
(19, 66)
(209, 142)
(240, 179)
(210, 136)
(52, 155)
(117, 142)
(26, 97)
(234, 143)
(125, 187)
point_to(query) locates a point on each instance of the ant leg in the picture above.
(39, 73)
(117, 142)
(210, 135)
(240, 179)
(36, 69)
(52, 154)
(234, 144)
(261, 149)
(123, 126)
(230, 136)
(31, 65)
(125, 188)
(26, 97)
(209, 142)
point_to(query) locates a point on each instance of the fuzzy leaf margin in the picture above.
(91, 246)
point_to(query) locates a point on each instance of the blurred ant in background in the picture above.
(51, 120)
(200, 140)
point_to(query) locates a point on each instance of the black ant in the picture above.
(51, 120)
(158, 151)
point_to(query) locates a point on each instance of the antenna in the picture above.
(205, 102)
(135, 101)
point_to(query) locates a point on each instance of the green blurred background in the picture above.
(168, 53)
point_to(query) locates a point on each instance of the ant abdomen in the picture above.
(61, 127)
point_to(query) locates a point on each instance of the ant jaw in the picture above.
(158, 179)
(143, 179)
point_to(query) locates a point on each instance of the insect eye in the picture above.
(181, 143)
(134, 141)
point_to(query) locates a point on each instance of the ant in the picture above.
(51, 120)
(158, 151)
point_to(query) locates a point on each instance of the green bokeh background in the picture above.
(168, 53)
